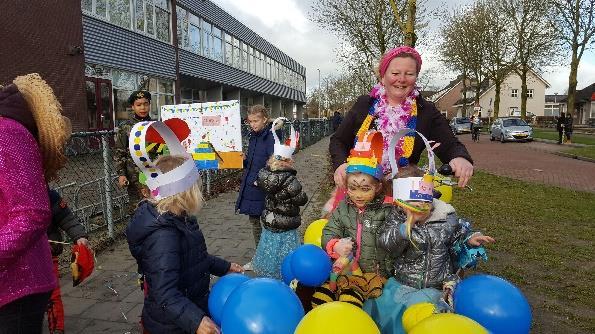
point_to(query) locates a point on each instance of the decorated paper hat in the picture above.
(285, 151)
(412, 188)
(161, 184)
(366, 155)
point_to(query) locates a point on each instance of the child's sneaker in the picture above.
(248, 266)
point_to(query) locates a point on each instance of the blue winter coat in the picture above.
(260, 147)
(172, 254)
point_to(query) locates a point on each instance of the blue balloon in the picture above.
(262, 306)
(495, 303)
(310, 265)
(286, 272)
(220, 293)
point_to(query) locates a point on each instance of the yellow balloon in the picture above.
(337, 318)
(445, 190)
(313, 233)
(416, 313)
(448, 323)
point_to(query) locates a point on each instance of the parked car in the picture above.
(510, 129)
(517, 113)
(460, 125)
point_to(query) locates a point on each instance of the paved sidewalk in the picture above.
(110, 300)
(533, 162)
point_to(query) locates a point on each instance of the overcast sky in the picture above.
(287, 25)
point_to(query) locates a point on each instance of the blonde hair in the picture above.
(259, 109)
(53, 128)
(276, 164)
(189, 202)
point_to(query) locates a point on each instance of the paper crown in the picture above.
(412, 188)
(366, 155)
(161, 184)
(285, 151)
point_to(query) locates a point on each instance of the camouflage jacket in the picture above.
(122, 159)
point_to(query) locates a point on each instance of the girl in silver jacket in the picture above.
(427, 243)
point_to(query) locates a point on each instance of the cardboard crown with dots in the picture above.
(161, 184)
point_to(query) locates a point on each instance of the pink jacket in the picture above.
(25, 259)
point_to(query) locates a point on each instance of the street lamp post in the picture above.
(318, 92)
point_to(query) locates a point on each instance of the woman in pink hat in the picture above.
(396, 103)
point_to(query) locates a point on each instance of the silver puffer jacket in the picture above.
(284, 196)
(431, 259)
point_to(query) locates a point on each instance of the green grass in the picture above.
(552, 134)
(587, 151)
(545, 244)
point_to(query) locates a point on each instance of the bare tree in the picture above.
(535, 40)
(575, 23)
(498, 57)
(404, 12)
(461, 49)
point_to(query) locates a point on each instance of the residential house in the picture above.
(584, 105)
(446, 98)
(510, 96)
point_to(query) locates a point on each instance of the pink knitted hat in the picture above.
(392, 53)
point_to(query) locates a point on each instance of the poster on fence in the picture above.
(215, 139)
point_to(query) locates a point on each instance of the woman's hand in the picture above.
(340, 176)
(207, 326)
(236, 268)
(463, 170)
(479, 240)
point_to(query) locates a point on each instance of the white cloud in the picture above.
(557, 76)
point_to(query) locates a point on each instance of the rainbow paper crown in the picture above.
(412, 188)
(161, 184)
(285, 151)
(366, 155)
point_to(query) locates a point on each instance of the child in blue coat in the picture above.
(169, 247)
(260, 147)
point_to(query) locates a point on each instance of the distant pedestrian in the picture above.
(281, 216)
(560, 127)
(568, 128)
(336, 120)
(260, 147)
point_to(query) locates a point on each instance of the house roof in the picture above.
(484, 87)
(583, 95)
(452, 84)
(427, 93)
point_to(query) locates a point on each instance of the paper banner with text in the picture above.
(215, 140)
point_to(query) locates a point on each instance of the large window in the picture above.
(551, 110)
(124, 83)
(217, 52)
(228, 50)
(237, 56)
(244, 56)
(194, 32)
(151, 17)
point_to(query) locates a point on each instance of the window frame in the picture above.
(514, 93)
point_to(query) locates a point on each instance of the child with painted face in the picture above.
(351, 232)
(428, 244)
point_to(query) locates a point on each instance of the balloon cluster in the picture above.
(241, 305)
(482, 304)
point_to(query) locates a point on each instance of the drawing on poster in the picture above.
(215, 139)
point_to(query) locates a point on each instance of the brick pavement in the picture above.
(534, 162)
(110, 301)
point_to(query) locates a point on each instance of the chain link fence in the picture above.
(90, 186)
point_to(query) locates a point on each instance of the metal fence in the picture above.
(90, 186)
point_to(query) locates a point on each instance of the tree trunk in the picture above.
(410, 37)
(524, 70)
(497, 99)
(572, 82)
(464, 109)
